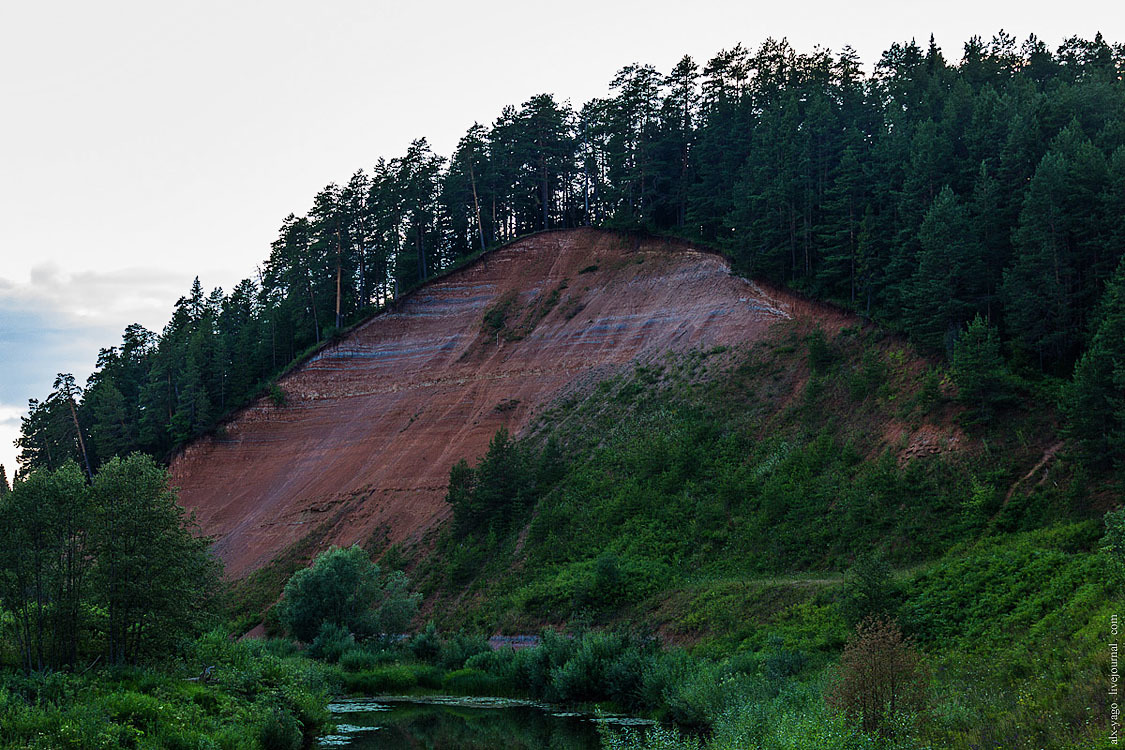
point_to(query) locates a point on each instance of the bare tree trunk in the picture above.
(476, 206)
(421, 254)
(312, 302)
(546, 194)
(338, 275)
(78, 431)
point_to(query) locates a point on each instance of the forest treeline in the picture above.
(922, 195)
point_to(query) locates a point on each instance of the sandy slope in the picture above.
(374, 423)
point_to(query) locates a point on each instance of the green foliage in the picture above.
(426, 644)
(278, 730)
(496, 316)
(154, 577)
(473, 682)
(795, 718)
(459, 648)
(493, 496)
(112, 567)
(985, 597)
(253, 700)
(979, 371)
(332, 641)
(394, 678)
(1095, 401)
(948, 285)
(1113, 543)
(343, 591)
(821, 353)
(869, 589)
(360, 659)
(44, 565)
(277, 395)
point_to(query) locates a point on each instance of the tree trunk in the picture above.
(546, 194)
(312, 302)
(476, 206)
(81, 442)
(338, 277)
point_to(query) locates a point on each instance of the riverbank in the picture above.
(248, 698)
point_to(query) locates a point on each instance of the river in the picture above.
(444, 722)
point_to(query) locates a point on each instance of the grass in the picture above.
(722, 496)
(254, 700)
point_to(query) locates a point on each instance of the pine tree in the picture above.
(1037, 286)
(193, 407)
(110, 433)
(947, 286)
(1095, 404)
(979, 371)
(841, 223)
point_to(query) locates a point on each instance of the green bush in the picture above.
(428, 676)
(397, 678)
(822, 354)
(254, 700)
(362, 659)
(474, 682)
(502, 663)
(278, 729)
(599, 665)
(869, 589)
(344, 588)
(426, 645)
(456, 650)
(706, 694)
(331, 643)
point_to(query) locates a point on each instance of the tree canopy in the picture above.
(923, 194)
(111, 568)
(345, 589)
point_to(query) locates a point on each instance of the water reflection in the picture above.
(464, 723)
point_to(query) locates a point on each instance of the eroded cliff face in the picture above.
(373, 424)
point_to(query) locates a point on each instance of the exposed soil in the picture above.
(373, 424)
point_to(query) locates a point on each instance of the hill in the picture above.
(371, 424)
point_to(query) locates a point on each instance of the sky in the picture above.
(145, 143)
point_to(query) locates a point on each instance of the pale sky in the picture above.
(145, 143)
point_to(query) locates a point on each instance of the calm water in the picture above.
(458, 723)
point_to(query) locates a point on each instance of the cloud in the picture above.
(57, 320)
(96, 298)
(9, 431)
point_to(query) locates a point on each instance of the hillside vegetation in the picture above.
(917, 483)
(750, 500)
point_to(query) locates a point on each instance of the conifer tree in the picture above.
(1036, 287)
(1095, 405)
(979, 371)
(947, 285)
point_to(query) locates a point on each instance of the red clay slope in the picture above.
(374, 423)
